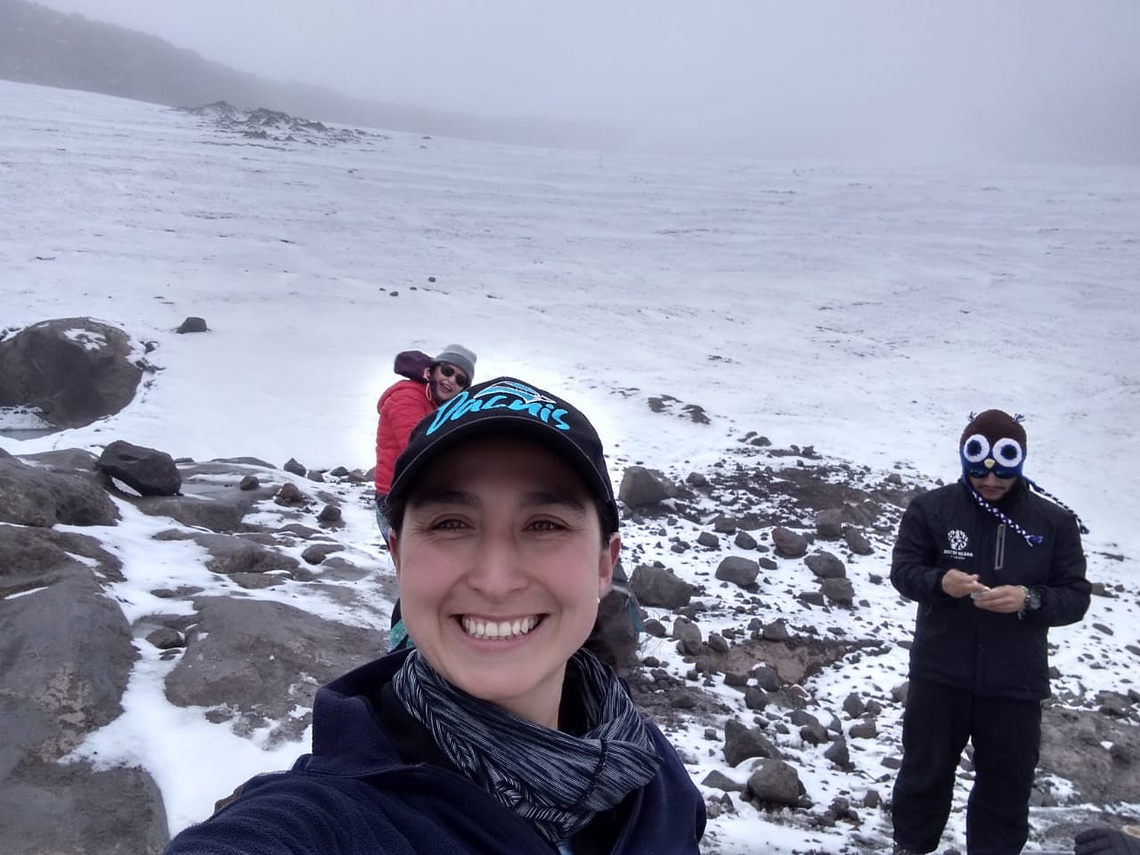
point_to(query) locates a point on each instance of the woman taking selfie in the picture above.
(499, 732)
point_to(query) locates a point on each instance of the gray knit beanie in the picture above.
(460, 357)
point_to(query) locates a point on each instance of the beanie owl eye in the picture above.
(976, 448)
(1008, 453)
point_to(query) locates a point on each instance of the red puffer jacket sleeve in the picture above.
(400, 407)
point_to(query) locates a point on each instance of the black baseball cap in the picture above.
(501, 406)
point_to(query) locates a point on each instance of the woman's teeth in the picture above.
(498, 629)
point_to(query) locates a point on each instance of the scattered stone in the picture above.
(738, 570)
(788, 543)
(745, 541)
(330, 515)
(777, 630)
(767, 678)
(688, 636)
(717, 780)
(724, 524)
(838, 754)
(318, 552)
(829, 523)
(742, 743)
(192, 325)
(853, 705)
(826, 566)
(774, 782)
(293, 467)
(658, 587)
(289, 494)
(856, 542)
(165, 638)
(839, 591)
(641, 487)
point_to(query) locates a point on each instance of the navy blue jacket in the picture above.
(960, 645)
(356, 794)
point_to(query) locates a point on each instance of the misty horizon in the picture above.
(1020, 81)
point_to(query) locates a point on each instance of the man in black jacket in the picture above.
(992, 565)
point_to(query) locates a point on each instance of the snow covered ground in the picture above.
(863, 309)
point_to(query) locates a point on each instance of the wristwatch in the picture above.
(1032, 601)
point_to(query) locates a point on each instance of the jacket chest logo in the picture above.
(959, 544)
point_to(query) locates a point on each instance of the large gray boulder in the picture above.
(256, 662)
(67, 655)
(46, 493)
(71, 371)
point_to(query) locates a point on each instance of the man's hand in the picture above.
(1003, 598)
(958, 584)
(1109, 841)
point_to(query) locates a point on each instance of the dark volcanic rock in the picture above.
(742, 743)
(74, 808)
(232, 556)
(50, 701)
(788, 543)
(31, 557)
(192, 325)
(775, 783)
(839, 591)
(72, 371)
(41, 496)
(641, 486)
(829, 523)
(657, 587)
(856, 542)
(1100, 754)
(258, 661)
(147, 471)
(292, 466)
(826, 566)
(738, 570)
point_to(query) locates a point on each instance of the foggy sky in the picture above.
(1051, 79)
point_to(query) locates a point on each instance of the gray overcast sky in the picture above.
(962, 76)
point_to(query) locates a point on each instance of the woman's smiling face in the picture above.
(501, 565)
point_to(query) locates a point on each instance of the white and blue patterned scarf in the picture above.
(553, 780)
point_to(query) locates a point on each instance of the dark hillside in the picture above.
(50, 48)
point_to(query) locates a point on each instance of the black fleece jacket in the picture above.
(958, 644)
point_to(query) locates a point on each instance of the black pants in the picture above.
(1006, 733)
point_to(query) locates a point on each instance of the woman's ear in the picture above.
(394, 550)
(606, 563)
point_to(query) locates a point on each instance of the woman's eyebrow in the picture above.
(442, 496)
(540, 498)
(530, 499)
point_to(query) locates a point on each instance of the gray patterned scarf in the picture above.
(553, 780)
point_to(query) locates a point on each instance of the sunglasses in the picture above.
(982, 472)
(449, 371)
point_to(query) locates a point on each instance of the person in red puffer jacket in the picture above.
(430, 382)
